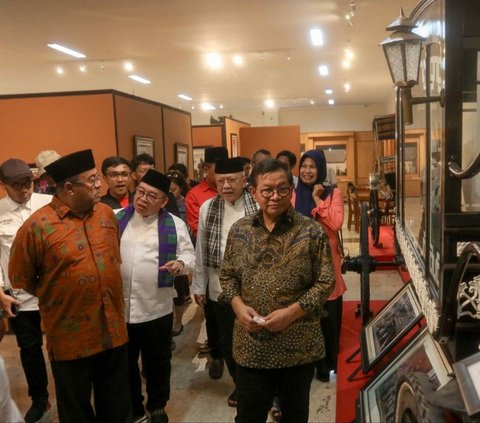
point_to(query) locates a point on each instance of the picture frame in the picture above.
(467, 372)
(181, 153)
(144, 145)
(198, 158)
(421, 354)
(389, 325)
(233, 145)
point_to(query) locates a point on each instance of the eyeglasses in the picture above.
(150, 197)
(117, 175)
(230, 181)
(17, 186)
(91, 182)
(267, 193)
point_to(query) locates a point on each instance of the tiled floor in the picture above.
(197, 398)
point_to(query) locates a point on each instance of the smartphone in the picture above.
(13, 307)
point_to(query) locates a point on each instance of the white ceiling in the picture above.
(167, 41)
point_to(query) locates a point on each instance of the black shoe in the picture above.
(39, 412)
(140, 419)
(216, 368)
(176, 332)
(158, 416)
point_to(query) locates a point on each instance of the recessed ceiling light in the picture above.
(346, 87)
(139, 79)
(346, 63)
(184, 97)
(207, 106)
(323, 70)
(349, 53)
(329, 91)
(312, 102)
(270, 103)
(221, 106)
(83, 68)
(128, 66)
(331, 101)
(59, 70)
(237, 60)
(316, 37)
(193, 107)
(214, 60)
(67, 50)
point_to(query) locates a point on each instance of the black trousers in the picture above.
(225, 319)
(26, 327)
(152, 339)
(256, 387)
(107, 372)
(213, 334)
(331, 326)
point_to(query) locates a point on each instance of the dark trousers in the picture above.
(331, 326)
(107, 372)
(152, 339)
(225, 319)
(256, 387)
(212, 330)
(26, 326)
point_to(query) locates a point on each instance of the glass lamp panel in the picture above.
(412, 55)
(394, 55)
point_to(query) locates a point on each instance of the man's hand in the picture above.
(200, 299)
(173, 266)
(6, 302)
(245, 315)
(282, 318)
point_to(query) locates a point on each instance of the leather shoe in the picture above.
(158, 416)
(216, 368)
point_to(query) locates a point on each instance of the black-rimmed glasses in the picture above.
(267, 193)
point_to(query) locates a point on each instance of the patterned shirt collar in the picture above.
(286, 219)
(62, 209)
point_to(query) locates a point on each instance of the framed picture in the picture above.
(421, 354)
(144, 145)
(390, 324)
(467, 372)
(198, 158)
(181, 153)
(234, 145)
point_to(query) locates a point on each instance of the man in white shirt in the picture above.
(17, 181)
(155, 247)
(216, 217)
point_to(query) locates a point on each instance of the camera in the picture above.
(13, 307)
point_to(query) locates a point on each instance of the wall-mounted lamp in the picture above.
(403, 53)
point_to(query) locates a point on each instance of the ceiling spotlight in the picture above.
(128, 66)
(193, 107)
(67, 50)
(237, 60)
(83, 68)
(312, 102)
(214, 60)
(346, 63)
(323, 70)
(221, 106)
(329, 91)
(270, 103)
(349, 53)
(288, 57)
(207, 106)
(59, 70)
(184, 97)
(262, 57)
(140, 79)
(316, 36)
(346, 86)
(331, 101)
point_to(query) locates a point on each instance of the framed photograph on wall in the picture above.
(467, 372)
(420, 355)
(144, 145)
(198, 158)
(181, 153)
(234, 145)
(390, 324)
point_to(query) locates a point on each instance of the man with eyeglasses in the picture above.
(67, 253)
(155, 247)
(19, 305)
(277, 272)
(118, 176)
(217, 215)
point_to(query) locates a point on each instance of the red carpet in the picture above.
(347, 392)
(387, 250)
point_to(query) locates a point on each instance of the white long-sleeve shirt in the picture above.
(144, 300)
(203, 276)
(12, 216)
